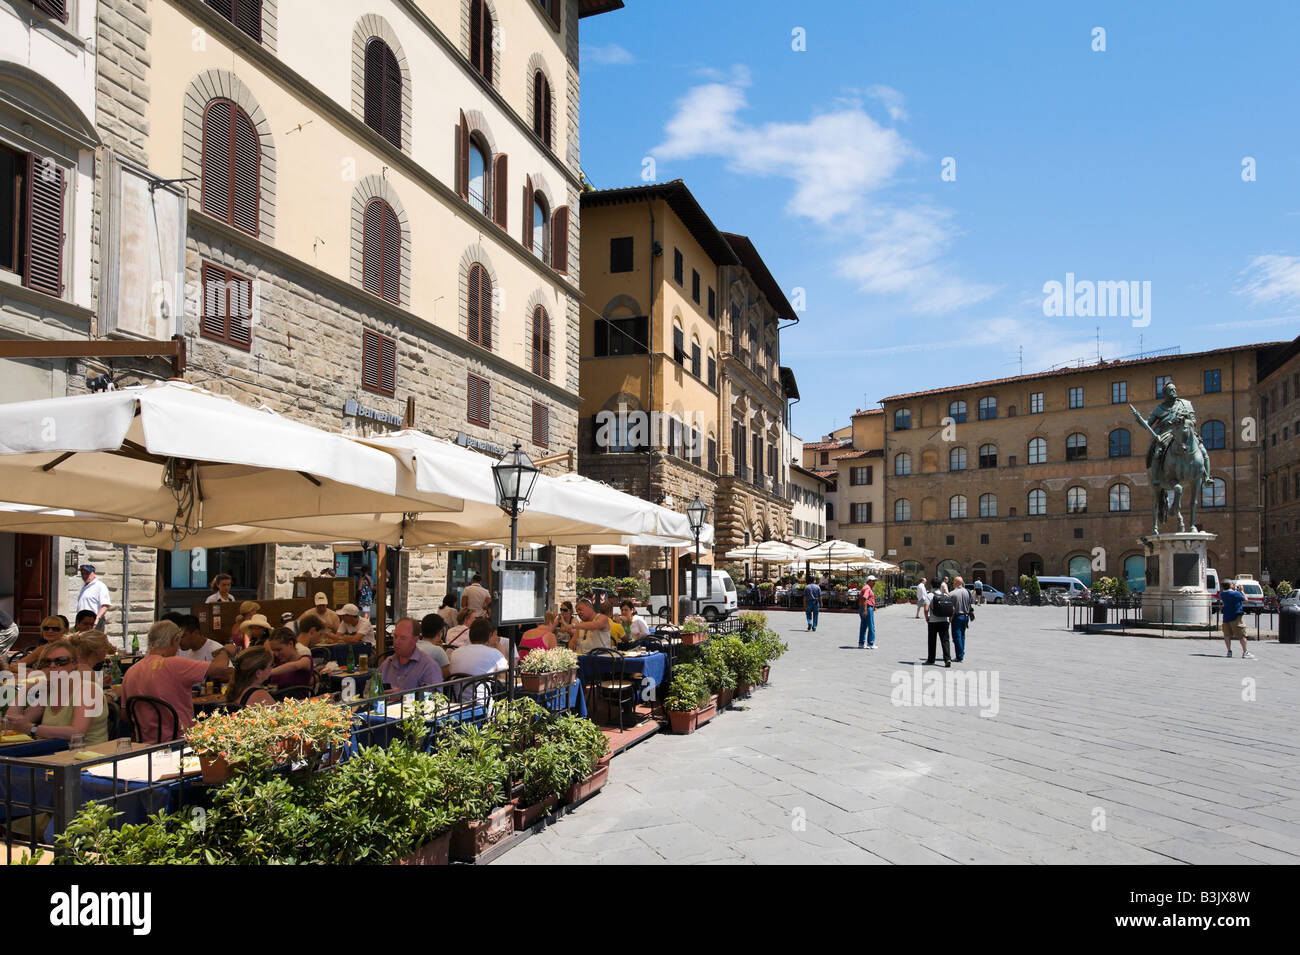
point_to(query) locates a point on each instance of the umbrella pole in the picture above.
(381, 599)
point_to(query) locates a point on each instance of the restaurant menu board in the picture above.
(520, 591)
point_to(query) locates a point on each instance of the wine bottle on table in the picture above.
(135, 643)
(352, 660)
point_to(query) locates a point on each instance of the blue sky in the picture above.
(1122, 165)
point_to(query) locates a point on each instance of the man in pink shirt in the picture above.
(170, 678)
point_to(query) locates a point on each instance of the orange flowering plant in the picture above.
(262, 737)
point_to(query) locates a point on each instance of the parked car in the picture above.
(993, 596)
(1251, 590)
(1070, 587)
(716, 606)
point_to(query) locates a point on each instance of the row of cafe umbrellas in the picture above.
(832, 553)
(172, 465)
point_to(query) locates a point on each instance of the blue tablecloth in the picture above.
(39, 747)
(135, 800)
(568, 697)
(654, 666)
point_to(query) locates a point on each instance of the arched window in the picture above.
(383, 94)
(1120, 443)
(1213, 435)
(479, 306)
(902, 463)
(1135, 572)
(231, 178)
(1119, 497)
(541, 342)
(902, 419)
(1076, 447)
(1037, 501)
(381, 251)
(542, 107)
(480, 38)
(957, 506)
(478, 176)
(1080, 567)
(988, 455)
(988, 408)
(912, 571)
(948, 568)
(1037, 450)
(1214, 493)
(957, 459)
(541, 226)
(1076, 500)
(902, 509)
(957, 411)
(988, 505)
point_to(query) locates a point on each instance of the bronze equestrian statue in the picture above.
(1176, 458)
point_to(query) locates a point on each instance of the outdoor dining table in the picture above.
(653, 666)
(36, 747)
(338, 652)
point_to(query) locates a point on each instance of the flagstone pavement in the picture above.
(1098, 750)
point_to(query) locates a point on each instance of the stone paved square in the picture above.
(1103, 750)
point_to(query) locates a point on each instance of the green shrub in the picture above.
(689, 689)
(718, 674)
(1284, 589)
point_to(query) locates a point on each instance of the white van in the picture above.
(1069, 586)
(1251, 590)
(716, 606)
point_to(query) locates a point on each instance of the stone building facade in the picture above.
(372, 208)
(1046, 473)
(1279, 423)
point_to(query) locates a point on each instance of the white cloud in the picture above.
(1272, 277)
(838, 163)
(611, 54)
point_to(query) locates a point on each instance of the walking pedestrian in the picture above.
(963, 614)
(938, 614)
(1234, 602)
(94, 595)
(922, 600)
(979, 591)
(812, 603)
(867, 613)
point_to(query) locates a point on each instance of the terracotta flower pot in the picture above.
(214, 768)
(586, 788)
(434, 852)
(767, 672)
(724, 698)
(691, 639)
(742, 690)
(544, 682)
(469, 840)
(686, 722)
(526, 816)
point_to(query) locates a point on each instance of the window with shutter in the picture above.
(227, 307)
(231, 166)
(383, 93)
(478, 403)
(679, 345)
(479, 306)
(58, 9)
(378, 363)
(678, 266)
(542, 107)
(541, 425)
(560, 240)
(381, 251)
(40, 220)
(462, 157)
(480, 38)
(245, 14)
(500, 184)
(541, 343)
(529, 208)
(695, 359)
(713, 455)
(713, 371)
(713, 300)
(695, 286)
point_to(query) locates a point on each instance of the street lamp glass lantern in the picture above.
(697, 512)
(515, 474)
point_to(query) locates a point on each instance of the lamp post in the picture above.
(515, 474)
(696, 512)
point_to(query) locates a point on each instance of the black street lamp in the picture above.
(515, 474)
(696, 512)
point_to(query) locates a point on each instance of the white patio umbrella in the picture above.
(770, 552)
(189, 460)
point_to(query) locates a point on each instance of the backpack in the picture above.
(943, 605)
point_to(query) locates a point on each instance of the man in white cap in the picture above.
(353, 628)
(321, 608)
(94, 595)
(867, 614)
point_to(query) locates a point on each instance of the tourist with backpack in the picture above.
(812, 603)
(939, 612)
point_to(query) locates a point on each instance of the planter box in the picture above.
(469, 840)
(436, 852)
(214, 768)
(742, 690)
(527, 816)
(691, 639)
(543, 682)
(685, 723)
(586, 788)
(724, 698)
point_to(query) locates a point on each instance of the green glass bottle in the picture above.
(116, 674)
(376, 691)
(352, 660)
(135, 643)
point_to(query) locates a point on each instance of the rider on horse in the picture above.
(1163, 420)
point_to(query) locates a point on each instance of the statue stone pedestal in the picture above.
(1175, 594)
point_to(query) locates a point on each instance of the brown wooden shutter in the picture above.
(478, 401)
(546, 345)
(378, 363)
(501, 183)
(485, 309)
(248, 17)
(212, 324)
(392, 252)
(476, 35)
(553, 11)
(392, 114)
(541, 425)
(227, 306)
(487, 43)
(372, 261)
(58, 9)
(538, 124)
(383, 91)
(546, 112)
(215, 160)
(528, 213)
(473, 320)
(246, 174)
(560, 240)
(462, 157)
(43, 268)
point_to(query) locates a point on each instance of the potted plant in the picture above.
(544, 774)
(544, 670)
(687, 703)
(1029, 583)
(718, 675)
(694, 630)
(744, 659)
(473, 770)
(260, 738)
(586, 750)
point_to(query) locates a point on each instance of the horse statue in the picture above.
(1176, 458)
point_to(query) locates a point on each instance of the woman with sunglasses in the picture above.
(52, 628)
(68, 679)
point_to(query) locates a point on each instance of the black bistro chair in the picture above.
(613, 684)
(165, 718)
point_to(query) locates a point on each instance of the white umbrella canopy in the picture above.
(771, 551)
(175, 454)
(836, 552)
